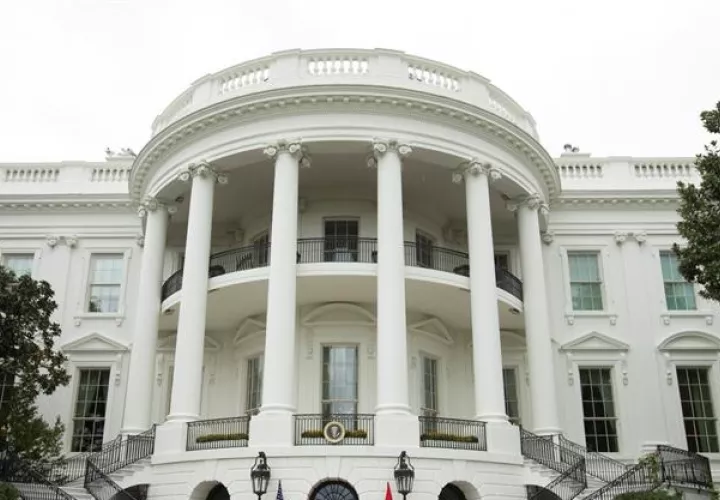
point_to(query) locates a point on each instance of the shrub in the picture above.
(350, 433)
(445, 436)
(211, 438)
(8, 492)
(663, 494)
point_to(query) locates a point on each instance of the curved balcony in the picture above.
(361, 250)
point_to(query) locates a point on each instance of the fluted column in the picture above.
(485, 323)
(189, 346)
(279, 370)
(392, 373)
(137, 415)
(537, 324)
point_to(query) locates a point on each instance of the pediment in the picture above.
(690, 341)
(94, 342)
(595, 341)
(168, 343)
(249, 328)
(433, 328)
(339, 313)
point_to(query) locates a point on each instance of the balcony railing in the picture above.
(217, 433)
(345, 250)
(335, 429)
(454, 433)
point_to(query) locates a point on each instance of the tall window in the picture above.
(430, 387)
(679, 294)
(598, 410)
(424, 249)
(19, 263)
(512, 404)
(253, 399)
(105, 282)
(502, 261)
(341, 240)
(7, 384)
(339, 380)
(90, 407)
(261, 248)
(585, 281)
(697, 409)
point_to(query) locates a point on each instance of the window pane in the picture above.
(512, 406)
(430, 404)
(585, 282)
(105, 282)
(598, 410)
(19, 263)
(90, 409)
(424, 249)
(697, 408)
(254, 384)
(340, 375)
(341, 240)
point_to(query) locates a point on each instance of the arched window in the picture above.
(451, 492)
(334, 490)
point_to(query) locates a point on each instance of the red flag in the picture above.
(388, 493)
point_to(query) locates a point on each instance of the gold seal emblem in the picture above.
(334, 432)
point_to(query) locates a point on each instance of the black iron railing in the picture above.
(454, 433)
(571, 466)
(339, 249)
(644, 476)
(232, 432)
(30, 482)
(123, 451)
(684, 467)
(596, 464)
(359, 429)
(73, 468)
(101, 487)
(566, 486)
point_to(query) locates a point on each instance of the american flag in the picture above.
(279, 492)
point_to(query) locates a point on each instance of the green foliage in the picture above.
(661, 494)
(651, 462)
(30, 365)
(8, 492)
(446, 436)
(699, 209)
(212, 438)
(349, 433)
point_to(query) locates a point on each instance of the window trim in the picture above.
(439, 389)
(714, 393)
(518, 391)
(667, 315)
(36, 253)
(82, 312)
(614, 381)
(607, 285)
(341, 343)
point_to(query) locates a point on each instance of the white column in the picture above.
(137, 416)
(189, 346)
(487, 352)
(274, 425)
(537, 324)
(392, 373)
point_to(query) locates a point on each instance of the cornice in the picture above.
(42, 203)
(343, 98)
(617, 199)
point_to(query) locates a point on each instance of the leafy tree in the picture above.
(29, 365)
(699, 259)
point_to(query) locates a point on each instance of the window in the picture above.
(423, 249)
(430, 387)
(105, 282)
(261, 249)
(502, 261)
(90, 408)
(512, 404)
(697, 409)
(598, 410)
(679, 294)
(7, 384)
(19, 263)
(585, 282)
(254, 385)
(341, 240)
(168, 395)
(339, 380)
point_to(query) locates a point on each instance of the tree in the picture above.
(699, 259)
(29, 365)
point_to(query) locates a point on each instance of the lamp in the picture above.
(404, 474)
(260, 475)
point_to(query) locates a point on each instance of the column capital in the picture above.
(151, 204)
(293, 147)
(532, 201)
(474, 168)
(202, 170)
(380, 147)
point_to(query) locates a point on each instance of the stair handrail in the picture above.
(684, 466)
(597, 464)
(69, 469)
(98, 484)
(547, 452)
(14, 464)
(567, 485)
(642, 477)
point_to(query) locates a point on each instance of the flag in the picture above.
(388, 493)
(279, 492)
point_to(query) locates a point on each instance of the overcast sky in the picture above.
(614, 77)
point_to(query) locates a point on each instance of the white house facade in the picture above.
(360, 267)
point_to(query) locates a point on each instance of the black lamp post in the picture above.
(404, 475)
(260, 475)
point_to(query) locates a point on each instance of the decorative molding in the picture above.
(570, 369)
(639, 236)
(167, 344)
(52, 240)
(380, 147)
(617, 200)
(434, 328)
(339, 313)
(624, 368)
(455, 232)
(94, 342)
(248, 329)
(151, 204)
(532, 201)
(620, 237)
(475, 168)
(202, 170)
(294, 147)
(547, 237)
(690, 341)
(595, 341)
(71, 241)
(140, 240)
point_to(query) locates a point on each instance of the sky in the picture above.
(613, 77)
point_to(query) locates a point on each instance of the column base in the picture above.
(502, 437)
(397, 430)
(171, 438)
(272, 429)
